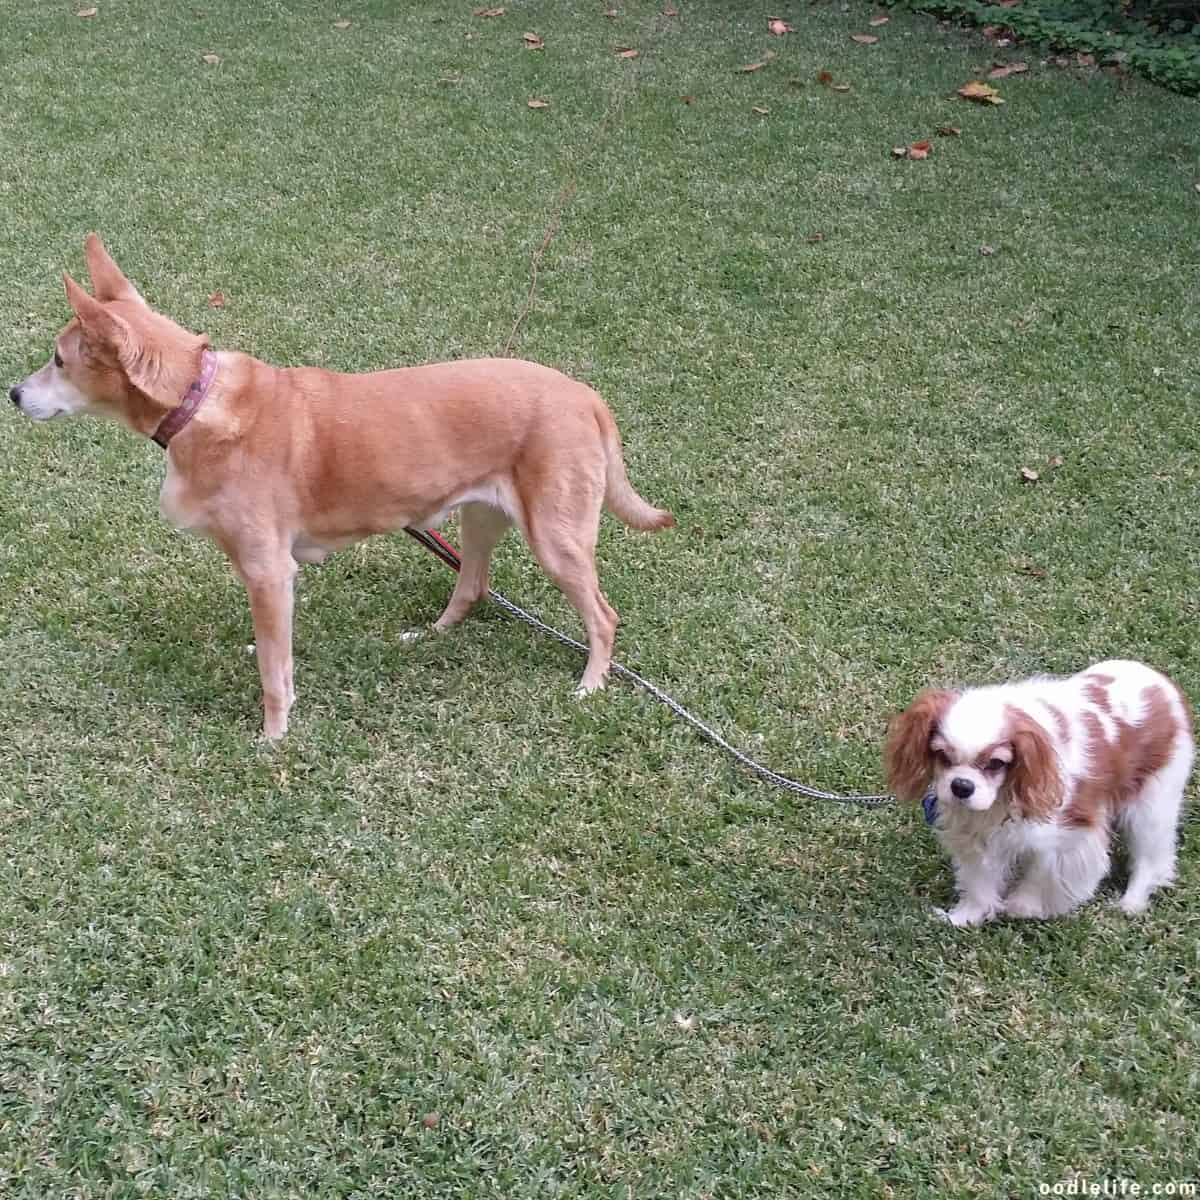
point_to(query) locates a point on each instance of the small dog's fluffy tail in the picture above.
(619, 497)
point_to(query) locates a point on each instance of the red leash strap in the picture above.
(436, 544)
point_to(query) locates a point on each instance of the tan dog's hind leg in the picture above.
(480, 527)
(269, 578)
(566, 551)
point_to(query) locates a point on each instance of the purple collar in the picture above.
(187, 408)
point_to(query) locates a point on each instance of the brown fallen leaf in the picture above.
(670, 12)
(1006, 3)
(341, 24)
(87, 12)
(216, 300)
(864, 39)
(688, 99)
(980, 93)
(815, 237)
(762, 112)
(899, 151)
(824, 78)
(879, 21)
(539, 103)
(839, 87)
(1085, 60)
(1055, 460)
(488, 12)
(987, 251)
(758, 66)
(948, 131)
(920, 149)
(532, 41)
(611, 13)
(1007, 69)
(430, 1120)
(211, 59)
(627, 53)
(1029, 475)
(778, 26)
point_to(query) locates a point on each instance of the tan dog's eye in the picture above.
(996, 764)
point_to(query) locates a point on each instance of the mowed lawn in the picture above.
(462, 934)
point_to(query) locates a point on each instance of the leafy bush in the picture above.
(1157, 38)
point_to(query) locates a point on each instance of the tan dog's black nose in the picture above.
(14, 394)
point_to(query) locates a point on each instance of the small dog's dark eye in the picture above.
(996, 764)
(57, 359)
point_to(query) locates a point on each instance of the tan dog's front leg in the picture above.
(269, 583)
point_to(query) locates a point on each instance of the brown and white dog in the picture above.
(1029, 779)
(285, 465)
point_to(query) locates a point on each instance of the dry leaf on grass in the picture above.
(488, 12)
(899, 151)
(980, 93)
(611, 13)
(539, 103)
(532, 41)
(688, 99)
(1029, 475)
(216, 300)
(670, 12)
(87, 12)
(341, 24)
(430, 1120)
(762, 112)
(824, 78)
(839, 87)
(1055, 460)
(627, 53)
(1085, 60)
(211, 59)
(864, 39)
(987, 251)
(1007, 69)
(778, 26)
(920, 149)
(948, 131)
(879, 21)
(758, 66)
(815, 237)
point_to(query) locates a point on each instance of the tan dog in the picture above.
(284, 465)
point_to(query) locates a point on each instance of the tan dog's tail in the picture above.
(619, 497)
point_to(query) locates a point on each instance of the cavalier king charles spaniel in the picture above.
(1025, 782)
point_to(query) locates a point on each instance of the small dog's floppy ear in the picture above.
(110, 334)
(108, 281)
(906, 756)
(1035, 779)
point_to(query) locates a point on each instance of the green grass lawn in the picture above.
(461, 934)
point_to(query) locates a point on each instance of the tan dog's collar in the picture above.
(187, 408)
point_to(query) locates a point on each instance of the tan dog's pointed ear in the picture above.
(108, 281)
(114, 338)
(103, 329)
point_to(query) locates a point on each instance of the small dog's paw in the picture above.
(941, 914)
(963, 916)
(1133, 906)
(1023, 906)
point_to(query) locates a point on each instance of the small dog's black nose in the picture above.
(962, 788)
(14, 394)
